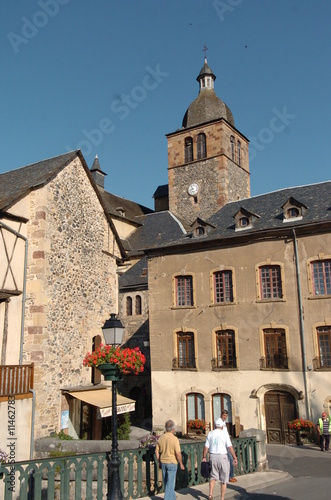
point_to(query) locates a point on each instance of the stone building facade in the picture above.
(71, 279)
(252, 331)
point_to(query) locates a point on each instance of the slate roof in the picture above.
(268, 208)
(161, 191)
(18, 182)
(316, 197)
(205, 108)
(156, 229)
(131, 209)
(136, 276)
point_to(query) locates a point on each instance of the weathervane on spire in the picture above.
(205, 48)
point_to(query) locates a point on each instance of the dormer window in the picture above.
(200, 228)
(120, 211)
(293, 210)
(244, 219)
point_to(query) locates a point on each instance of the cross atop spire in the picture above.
(205, 48)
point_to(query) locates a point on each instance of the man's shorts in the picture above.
(220, 468)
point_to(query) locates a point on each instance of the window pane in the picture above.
(200, 406)
(201, 146)
(232, 147)
(225, 345)
(184, 291)
(129, 306)
(195, 406)
(188, 149)
(223, 287)
(321, 275)
(185, 346)
(324, 343)
(275, 349)
(270, 282)
(138, 304)
(239, 152)
(191, 407)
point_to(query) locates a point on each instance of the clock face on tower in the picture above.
(193, 189)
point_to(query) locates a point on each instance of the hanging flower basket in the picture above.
(110, 371)
(115, 362)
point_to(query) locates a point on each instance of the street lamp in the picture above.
(113, 333)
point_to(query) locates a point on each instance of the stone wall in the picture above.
(71, 287)
(220, 179)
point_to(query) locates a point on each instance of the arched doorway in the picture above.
(280, 408)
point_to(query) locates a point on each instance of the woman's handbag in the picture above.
(205, 469)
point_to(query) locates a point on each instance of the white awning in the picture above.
(102, 398)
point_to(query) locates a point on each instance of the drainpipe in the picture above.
(302, 332)
(19, 235)
(32, 422)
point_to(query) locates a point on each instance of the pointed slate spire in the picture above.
(97, 174)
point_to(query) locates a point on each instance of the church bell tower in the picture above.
(208, 164)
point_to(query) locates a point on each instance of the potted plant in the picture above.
(114, 362)
(150, 440)
(302, 427)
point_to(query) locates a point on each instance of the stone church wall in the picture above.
(71, 287)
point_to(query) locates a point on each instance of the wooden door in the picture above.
(280, 408)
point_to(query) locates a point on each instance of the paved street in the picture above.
(295, 473)
(310, 474)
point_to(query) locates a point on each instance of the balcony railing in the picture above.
(220, 364)
(16, 379)
(277, 361)
(183, 364)
(319, 363)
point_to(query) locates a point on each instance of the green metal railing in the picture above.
(85, 476)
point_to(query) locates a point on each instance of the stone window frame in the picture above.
(128, 306)
(184, 331)
(316, 346)
(233, 148)
(258, 267)
(201, 143)
(225, 328)
(175, 277)
(138, 305)
(239, 152)
(188, 149)
(321, 257)
(222, 269)
(196, 413)
(275, 327)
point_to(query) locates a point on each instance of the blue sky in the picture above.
(113, 77)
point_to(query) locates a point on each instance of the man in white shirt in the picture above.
(232, 479)
(218, 443)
